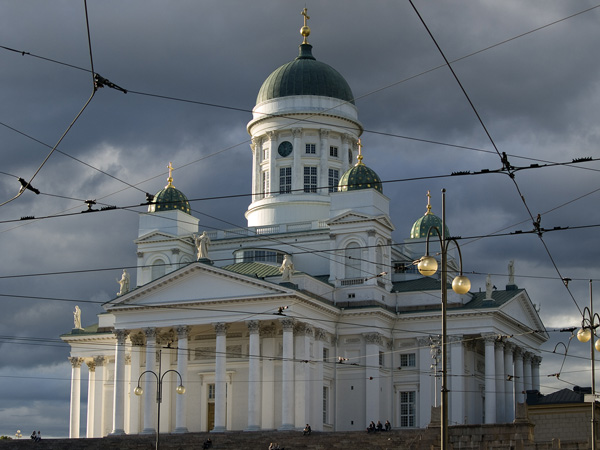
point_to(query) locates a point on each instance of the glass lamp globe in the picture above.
(138, 390)
(461, 284)
(427, 266)
(584, 335)
(180, 389)
(597, 345)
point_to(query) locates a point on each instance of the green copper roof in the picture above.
(305, 76)
(360, 177)
(421, 227)
(256, 269)
(169, 199)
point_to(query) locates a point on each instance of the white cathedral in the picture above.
(311, 314)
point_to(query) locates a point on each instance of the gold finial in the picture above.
(170, 179)
(360, 156)
(428, 203)
(305, 30)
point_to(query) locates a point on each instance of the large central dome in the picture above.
(305, 76)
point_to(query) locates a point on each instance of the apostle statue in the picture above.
(77, 318)
(287, 268)
(488, 287)
(123, 283)
(202, 242)
(511, 273)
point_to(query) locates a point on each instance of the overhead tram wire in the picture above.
(95, 85)
(503, 157)
(222, 197)
(360, 97)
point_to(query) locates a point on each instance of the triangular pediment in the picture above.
(198, 283)
(351, 217)
(156, 236)
(521, 309)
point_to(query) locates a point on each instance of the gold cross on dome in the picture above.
(170, 179)
(306, 16)
(428, 202)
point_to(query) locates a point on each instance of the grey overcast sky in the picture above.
(538, 96)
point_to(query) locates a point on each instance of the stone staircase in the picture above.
(260, 440)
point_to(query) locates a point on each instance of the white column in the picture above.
(99, 380)
(509, 382)
(317, 384)
(297, 169)
(137, 341)
(127, 389)
(302, 334)
(373, 342)
(347, 143)
(256, 146)
(519, 386)
(426, 384)
(148, 383)
(457, 380)
(90, 403)
(287, 375)
(527, 361)
(500, 377)
(119, 385)
(267, 334)
(164, 342)
(220, 378)
(183, 333)
(75, 395)
(473, 395)
(324, 166)
(272, 135)
(253, 376)
(535, 373)
(490, 379)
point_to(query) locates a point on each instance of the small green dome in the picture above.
(360, 177)
(421, 227)
(169, 199)
(305, 76)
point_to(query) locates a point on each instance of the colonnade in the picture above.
(491, 384)
(300, 401)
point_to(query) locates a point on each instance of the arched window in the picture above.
(352, 260)
(158, 269)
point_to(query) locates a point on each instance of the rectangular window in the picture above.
(265, 184)
(407, 409)
(381, 359)
(211, 391)
(310, 179)
(325, 354)
(285, 180)
(325, 404)
(333, 151)
(334, 179)
(265, 153)
(408, 360)
(311, 149)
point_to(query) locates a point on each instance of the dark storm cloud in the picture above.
(538, 96)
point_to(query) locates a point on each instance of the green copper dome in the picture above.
(170, 198)
(421, 227)
(360, 177)
(305, 76)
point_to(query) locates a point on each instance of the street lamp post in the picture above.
(589, 323)
(159, 381)
(428, 266)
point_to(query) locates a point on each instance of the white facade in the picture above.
(349, 339)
